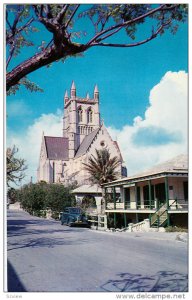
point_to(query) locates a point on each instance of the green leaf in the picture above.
(33, 87)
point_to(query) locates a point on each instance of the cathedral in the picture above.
(61, 158)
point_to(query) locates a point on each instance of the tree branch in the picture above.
(41, 10)
(30, 65)
(60, 45)
(16, 20)
(62, 13)
(10, 55)
(7, 20)
(49, 11)
(154, 35)
(46, 22)
(124, 24)
(109, 34)
(10, 36)
(41, 59)
(106, 20)
(72, 15)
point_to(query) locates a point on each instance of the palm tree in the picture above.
(102, 168)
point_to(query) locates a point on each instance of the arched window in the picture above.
(90, 116)
(80, 115)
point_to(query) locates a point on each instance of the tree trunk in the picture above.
(103, 206)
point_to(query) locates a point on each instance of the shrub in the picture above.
(55, 215)
(175, 229)
(40, 213)
(36, 198)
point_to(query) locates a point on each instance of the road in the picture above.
(44, 256)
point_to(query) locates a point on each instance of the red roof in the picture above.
(57, 147)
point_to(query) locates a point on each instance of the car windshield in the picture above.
(74, 210)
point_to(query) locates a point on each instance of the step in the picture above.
(157, 224)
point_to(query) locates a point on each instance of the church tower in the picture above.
(81, 117)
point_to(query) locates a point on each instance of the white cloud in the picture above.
(168, 103)
(163, 133)
(30, 142)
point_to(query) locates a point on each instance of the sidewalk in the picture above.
(173, 236)
(169, 236)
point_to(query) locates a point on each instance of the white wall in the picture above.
(177, 183)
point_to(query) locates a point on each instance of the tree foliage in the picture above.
(37, 197)
(12, 195)
(59, 197)
(102, 168)
(15, 166)
(87, 202)
(67, 38)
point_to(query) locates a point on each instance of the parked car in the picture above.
(74, 216)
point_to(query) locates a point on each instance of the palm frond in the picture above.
(101, 167)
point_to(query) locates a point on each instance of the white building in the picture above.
(159, 194)
(62, 158)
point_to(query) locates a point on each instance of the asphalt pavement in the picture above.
(44, 256)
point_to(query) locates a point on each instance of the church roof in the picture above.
(117, 145)
(57, 147)
(86, 143)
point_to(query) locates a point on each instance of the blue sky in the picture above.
(125, 78)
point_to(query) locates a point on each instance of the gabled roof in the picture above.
(57, 147)
(86, 143)
(177, 165)
(87, 189)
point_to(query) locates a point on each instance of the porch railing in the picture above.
(174, 204)
(119, 205)
(178, 204)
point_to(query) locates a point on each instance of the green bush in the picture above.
(175, 229)
(58, 197)
(40, 213)
(55, 215)
(37, 198)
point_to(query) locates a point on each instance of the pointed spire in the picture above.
(66, 97)
(96, 93)
(87, 97)
(73, 90)
(96, 89)
(73, 85)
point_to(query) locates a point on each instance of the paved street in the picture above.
(45, 256)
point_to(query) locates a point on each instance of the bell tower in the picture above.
(81, 117)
